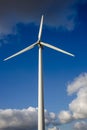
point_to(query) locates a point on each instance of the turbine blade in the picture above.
(57, 49)
(22, 51)
(40, 29)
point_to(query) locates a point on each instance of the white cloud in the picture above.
(79, 82)
(82, 125)
(13, 118)
(65, 117)
(24, 119)
(53, 128)
(78, 106)
(51, 118)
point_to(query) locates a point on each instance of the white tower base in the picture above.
(41, 124)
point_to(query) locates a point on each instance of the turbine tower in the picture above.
(41, 119)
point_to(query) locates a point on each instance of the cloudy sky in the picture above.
(65, 77)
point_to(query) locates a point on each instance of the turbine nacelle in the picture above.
(39, 44)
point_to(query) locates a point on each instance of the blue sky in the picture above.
(65, 77)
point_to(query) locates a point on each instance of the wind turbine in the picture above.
(41, 122)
